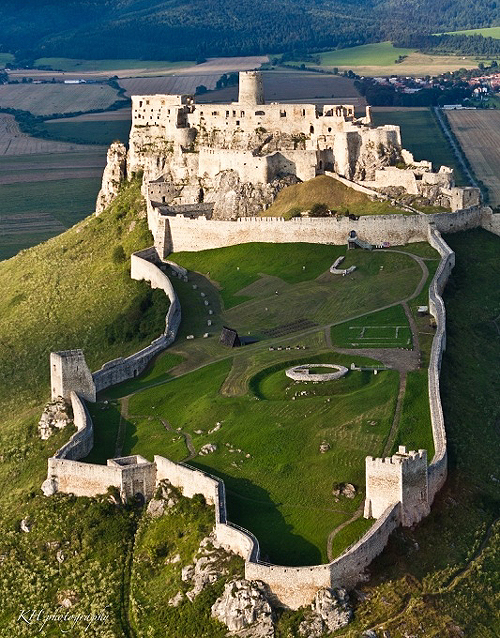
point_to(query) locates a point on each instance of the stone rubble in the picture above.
(55, 416)
(244, 608)
(331, 610)
(208, 448)
(344, 489)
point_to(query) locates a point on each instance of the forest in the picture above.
(177, 30)
(469, 45)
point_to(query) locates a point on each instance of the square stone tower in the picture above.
(69, 372)
(402, 479)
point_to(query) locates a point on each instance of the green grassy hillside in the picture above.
(325, 190)
(440, 579)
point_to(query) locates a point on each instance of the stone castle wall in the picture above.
(292, 587)
(297, 586)
(69, 371)
(80, 479)
(132, 476)
(121, 369)
(491, 223)
(82, 441)
(438, 467)
(178, 233)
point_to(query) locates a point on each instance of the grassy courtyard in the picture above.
(267, 429)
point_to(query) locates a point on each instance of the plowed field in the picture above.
(479, 135)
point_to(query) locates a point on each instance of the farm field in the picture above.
(380, 59)
(45, 99)
(178, 84)
(478, 133)
(90, 131)
(487, 32)
(106, 116)
(5, 57)
(420, 134)
(42, 195)
(297, 86)
(86, 66)
(101, 69)
(13, 142)
(270, 427)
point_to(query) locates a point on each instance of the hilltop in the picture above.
(75, 291)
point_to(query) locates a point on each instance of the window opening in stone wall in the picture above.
(259, 113)
(311, 130)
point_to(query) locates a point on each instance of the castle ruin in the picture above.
(229, 161)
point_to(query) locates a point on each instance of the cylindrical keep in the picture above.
(251, 90)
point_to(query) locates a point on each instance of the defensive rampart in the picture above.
(297, 586)
(291, 586)
(177, 233)
(82, 441)
(132, 476)
(121, 369)
(438, 466)
(191, 482)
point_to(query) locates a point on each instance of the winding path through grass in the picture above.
(399, 359)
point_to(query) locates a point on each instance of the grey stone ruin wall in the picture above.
(437, 470)
(121, 369)
(82, 441)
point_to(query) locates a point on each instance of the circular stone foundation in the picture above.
(301, 373)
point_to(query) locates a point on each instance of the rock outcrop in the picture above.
(244, 608)
(330, 611)
(209, 564)
(56, 416)
(234, 198)
(165, 498)
(113, 176)
(348, 490)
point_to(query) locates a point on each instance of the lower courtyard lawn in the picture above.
(266, 429)
(267, 446)
(385, 329)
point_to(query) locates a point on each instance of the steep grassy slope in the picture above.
(325, 190)
(74, 291)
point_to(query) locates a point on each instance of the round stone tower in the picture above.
(251, 88)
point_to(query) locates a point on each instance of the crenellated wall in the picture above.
(176, 233)
(398, 491)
